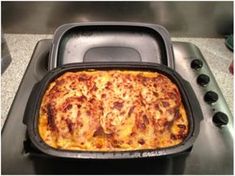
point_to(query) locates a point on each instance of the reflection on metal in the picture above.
(186, 19)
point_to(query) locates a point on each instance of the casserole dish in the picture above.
(188, 97)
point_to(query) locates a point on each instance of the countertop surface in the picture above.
(21, 47)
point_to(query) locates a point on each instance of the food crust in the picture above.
(112, 110)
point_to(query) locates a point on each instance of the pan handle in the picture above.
(31, 104)
(195, 106)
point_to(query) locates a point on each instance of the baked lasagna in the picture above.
(112, 110)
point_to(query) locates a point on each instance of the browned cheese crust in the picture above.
(112, 111)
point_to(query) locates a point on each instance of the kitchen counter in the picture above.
(21, 48)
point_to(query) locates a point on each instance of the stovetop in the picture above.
(212, 152)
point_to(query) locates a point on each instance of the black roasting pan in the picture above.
(187, 94)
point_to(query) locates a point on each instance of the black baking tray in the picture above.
(187, 94)
(111, 42)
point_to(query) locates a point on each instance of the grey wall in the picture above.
(182, 19)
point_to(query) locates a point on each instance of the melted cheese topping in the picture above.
(112, 111)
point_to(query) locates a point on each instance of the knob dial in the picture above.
(211, 97)
(196, 64)
(220, 119)
(203, 80)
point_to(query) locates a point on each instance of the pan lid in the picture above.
(111, 42)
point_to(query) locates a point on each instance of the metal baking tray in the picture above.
(111, 42)
(189, 99)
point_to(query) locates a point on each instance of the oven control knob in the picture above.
(211, 97)
(196, 64)
(220, 119)
(203, 80)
